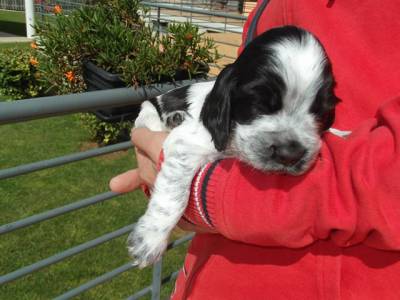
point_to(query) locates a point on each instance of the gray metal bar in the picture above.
(200, 11)
(99, 280)
(211, 28)
(140, 294)
(154, 288)
(158, 20)
(156, 283)
(45, 164)
(170, 277)
(198, 22)
(63, 255)
(29, 109)
(55, 212)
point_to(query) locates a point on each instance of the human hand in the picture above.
(148, 145)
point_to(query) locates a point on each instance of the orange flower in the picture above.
(189, 36)
(33, 45)
(70, 76)
(57, 9)
(33, 61)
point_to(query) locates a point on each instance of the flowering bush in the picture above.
(114, 36)
(19, 76)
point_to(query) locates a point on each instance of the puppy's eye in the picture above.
(252, 102)
(267, 101)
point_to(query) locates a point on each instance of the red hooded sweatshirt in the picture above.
(333, 233)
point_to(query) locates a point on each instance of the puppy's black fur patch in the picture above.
(157, 106)
(175, 100)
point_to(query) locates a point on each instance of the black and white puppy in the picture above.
(268, 109)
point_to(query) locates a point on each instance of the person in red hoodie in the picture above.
(332, 233)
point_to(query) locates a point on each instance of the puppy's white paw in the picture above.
(147, 243)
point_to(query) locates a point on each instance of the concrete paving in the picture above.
(11, 38)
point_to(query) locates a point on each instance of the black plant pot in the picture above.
(98, 79)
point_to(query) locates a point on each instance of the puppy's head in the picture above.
(271, 105)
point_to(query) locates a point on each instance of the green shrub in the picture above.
(19, 76)
(104, 133)
(114, 36)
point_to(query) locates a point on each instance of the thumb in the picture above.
(126, 182)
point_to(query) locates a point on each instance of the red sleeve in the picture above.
(351, 195)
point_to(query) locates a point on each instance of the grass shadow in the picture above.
(13, 27)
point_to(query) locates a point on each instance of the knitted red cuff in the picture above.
(196, 211)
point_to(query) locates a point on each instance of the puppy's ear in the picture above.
(325, 102)
(323, 107)
(216, 111)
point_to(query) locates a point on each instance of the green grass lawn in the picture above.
(40, 191)
(15, 45)
(12, 22)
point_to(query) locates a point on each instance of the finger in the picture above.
(149, 142)
(125, 182)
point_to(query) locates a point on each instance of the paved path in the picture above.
(10, 38)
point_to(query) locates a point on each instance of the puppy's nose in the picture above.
(289, 153)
